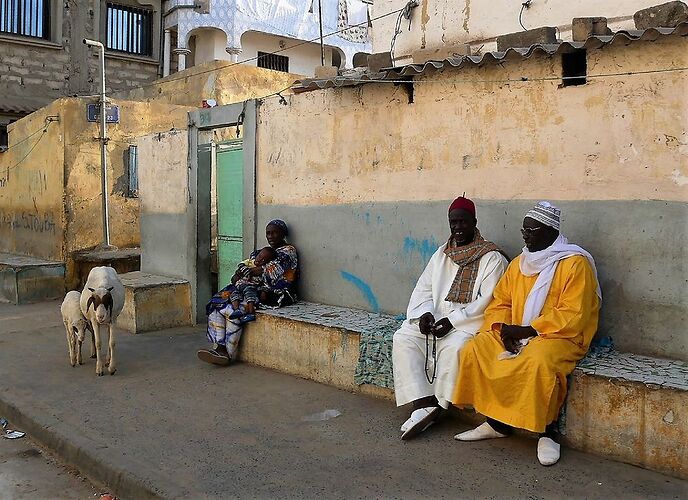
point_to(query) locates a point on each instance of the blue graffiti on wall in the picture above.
(364, 288)
(424, 248)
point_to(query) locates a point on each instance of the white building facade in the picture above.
(266, 33)
(437, 24)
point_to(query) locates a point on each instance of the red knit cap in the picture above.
(463, 204)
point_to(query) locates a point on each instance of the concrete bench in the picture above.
(154, 302)
(27, 279)
(123, 260)
(624, 406)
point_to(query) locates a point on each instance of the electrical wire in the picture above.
(397, 31)
(27, 137)
(524, 5)
(405, 13)
(45, 130)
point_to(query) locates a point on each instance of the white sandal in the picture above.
(420, 420)
(548, 451)
(483, 431)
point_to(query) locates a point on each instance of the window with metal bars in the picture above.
(273, 61)
(25, 18)
(129, 29)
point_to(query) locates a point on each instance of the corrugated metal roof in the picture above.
(21, 105)
(349, 80)
(410, 70)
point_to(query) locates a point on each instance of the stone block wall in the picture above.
(35, 72)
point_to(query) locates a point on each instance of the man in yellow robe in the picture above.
(540, 323)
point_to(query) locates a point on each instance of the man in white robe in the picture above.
(445, 310)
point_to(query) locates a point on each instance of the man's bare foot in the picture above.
(250, 308)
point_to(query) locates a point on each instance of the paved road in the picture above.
(29, 472)
(185, 428)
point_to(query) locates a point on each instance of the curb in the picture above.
(120, 474)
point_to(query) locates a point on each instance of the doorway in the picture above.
(230, 196)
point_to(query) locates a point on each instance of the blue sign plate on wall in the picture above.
(111, 113)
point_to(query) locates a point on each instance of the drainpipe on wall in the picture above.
(103, 145)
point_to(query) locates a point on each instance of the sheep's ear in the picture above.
(109, 289)
(91, 289)
(88, 304)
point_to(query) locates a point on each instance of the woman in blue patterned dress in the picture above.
(279, 276)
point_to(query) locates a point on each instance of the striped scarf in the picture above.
(467, 257)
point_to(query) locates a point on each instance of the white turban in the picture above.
(545, 212)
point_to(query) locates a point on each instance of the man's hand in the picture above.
(426, 324)
(511, 334)
(442, 327)
(511, 345)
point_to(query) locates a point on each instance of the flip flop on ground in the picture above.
(213, 357)
(420, 420)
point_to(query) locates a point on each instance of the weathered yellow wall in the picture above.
(616, 138)
(31, 186)
(364, 164)
(50, 204)
(219, 80)
(82, 171)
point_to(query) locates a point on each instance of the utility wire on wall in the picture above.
(524, 5)
(404, 14)
(44, 130)
(48, 120)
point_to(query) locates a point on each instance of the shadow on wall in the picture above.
(369, 256)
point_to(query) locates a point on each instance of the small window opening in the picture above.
(4, 138)
(273, 61)
(574, 68)
(410, 91)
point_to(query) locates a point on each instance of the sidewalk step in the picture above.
(154, 302)
(25, 279)
(623, 406)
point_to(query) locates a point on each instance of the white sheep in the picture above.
(101, 302)
(75, 325)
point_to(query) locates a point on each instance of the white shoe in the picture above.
(548, 451)
(420, 420)
(406, 425)
(483, 431)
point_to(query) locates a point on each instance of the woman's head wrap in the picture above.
(463, 204)
(545, 212)
(280, 224)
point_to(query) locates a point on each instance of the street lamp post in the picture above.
(103, 144)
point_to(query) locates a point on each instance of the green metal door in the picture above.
(230, 182)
